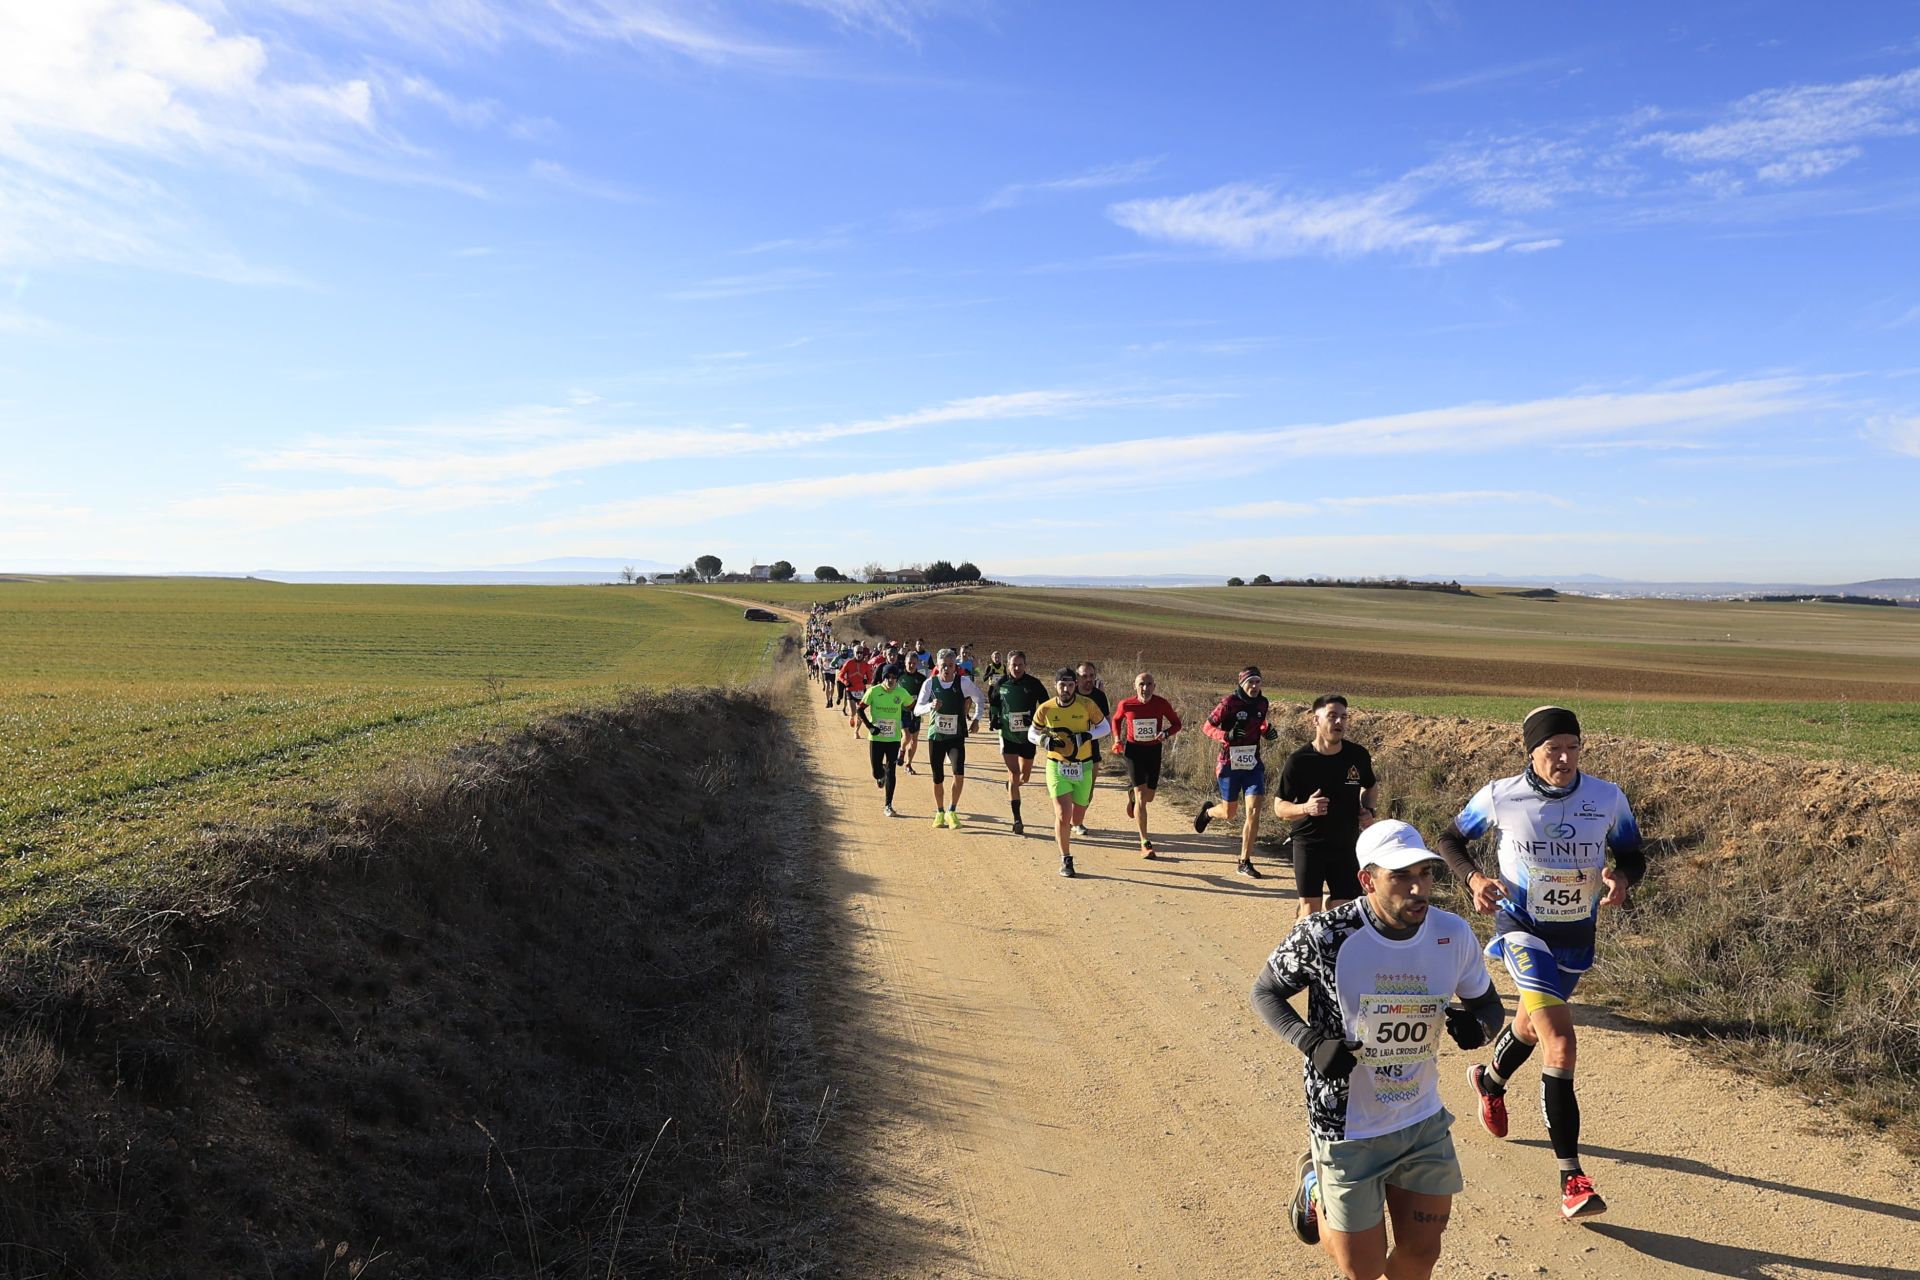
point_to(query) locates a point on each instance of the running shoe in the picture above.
(1146, 849)
(953, 819)
(1306, 1202)
(1202, 818)
(887, 809)
(1066, 866)
(1578, 1199)
(1493, 1106)
(1019, 827)
(1246, 868)
(939, 819)
(880, 783)
(911, 769)
(1079, 830)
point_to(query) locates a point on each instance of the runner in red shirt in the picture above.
(1142, 724)
(854, 678)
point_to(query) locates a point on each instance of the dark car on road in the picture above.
(762, 615)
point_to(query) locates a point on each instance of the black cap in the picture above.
(1067, 673)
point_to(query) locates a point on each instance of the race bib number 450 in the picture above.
(1400, 1028)
(1556, 896)
(1242, 758)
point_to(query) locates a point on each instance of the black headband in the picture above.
(1547, 722)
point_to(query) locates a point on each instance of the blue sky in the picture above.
(1358, 286)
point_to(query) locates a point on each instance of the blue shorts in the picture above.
(1235, 783)
(1546, 975)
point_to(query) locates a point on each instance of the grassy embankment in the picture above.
(347, 1002)
(1775, 927)
(137, 713)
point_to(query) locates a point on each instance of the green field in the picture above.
(1821, 681)
(137, 713)
(794, 594)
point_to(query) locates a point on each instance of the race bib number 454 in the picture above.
(1400, 1028)
(1555, 896)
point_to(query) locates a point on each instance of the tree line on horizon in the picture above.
(708, 569)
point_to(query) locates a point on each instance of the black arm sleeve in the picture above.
(1270, 997)
(1453, 847)
(1632, 863)
(1487, 1007)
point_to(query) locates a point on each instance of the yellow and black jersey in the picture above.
(1057, 724)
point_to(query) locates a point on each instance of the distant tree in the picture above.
(687, 574)
(1236, 582)
(708, 567)
(780, 571)
(966, 571)
(940, 572)
(1262, 580)
(827, 573)
(628, 574)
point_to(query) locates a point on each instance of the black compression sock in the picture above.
(1510, 1053)
(1563, 1116)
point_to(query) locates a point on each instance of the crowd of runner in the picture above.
(1385, 972)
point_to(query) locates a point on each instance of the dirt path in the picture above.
(1051, 1078)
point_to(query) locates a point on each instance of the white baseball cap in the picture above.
(1393, 845)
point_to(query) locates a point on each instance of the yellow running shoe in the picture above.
(953, 819)
(939, 818)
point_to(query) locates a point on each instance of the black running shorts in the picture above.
(1143, 764)
(1314, 865)
(1025, 750)
(942, 750)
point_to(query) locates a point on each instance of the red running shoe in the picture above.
(1578, 1199)
(1493, 1106)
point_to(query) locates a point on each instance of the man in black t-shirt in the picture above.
(1327, 791)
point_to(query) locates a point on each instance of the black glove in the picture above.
(1332, 1059)
(1272, 734)
(1465, 1027)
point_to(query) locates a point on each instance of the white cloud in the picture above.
(1256, 222)
(263, 508)
(1901, 434)
(1101, 470)
(1110, 175)
(1803, 131)
(1535, 246)
(557, 174)
(1276, 510)
(562, 444)
(1492, 75)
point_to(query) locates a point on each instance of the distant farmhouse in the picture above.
(899, 575)
(760, 573)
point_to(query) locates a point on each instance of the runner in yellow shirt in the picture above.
(1068, 725)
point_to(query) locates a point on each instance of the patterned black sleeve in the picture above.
(1305, 961)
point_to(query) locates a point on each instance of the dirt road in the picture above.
(1062, 1078)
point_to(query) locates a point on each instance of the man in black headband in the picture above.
(1557, 826)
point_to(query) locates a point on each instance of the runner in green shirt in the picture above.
(1010, 708)
(883, 710)
(910, 680)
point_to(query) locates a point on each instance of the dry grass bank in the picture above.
(533, 1010)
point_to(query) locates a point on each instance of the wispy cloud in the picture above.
(1803, 131)
(556, 174)
(547, 441)
(1493, 75)
(1110, 175)
(268, 508)
(1151, 463)
(1258, 222)
(1896, 432)
(1455, 498)
(746, 286)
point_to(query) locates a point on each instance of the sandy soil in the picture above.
(1062, 1078)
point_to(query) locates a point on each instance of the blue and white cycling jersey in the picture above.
(1551, 852)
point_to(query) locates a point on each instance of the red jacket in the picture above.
(853, 674)
(1238, 721)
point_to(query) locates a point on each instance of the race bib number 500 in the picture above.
(1400, 1028)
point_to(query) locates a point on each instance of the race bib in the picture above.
(1071, 770)
(946, 726)
(1241, 759)
(1558, 895)
(886, 728)
(1146, 730)
(1395, 1029)
(1017, 721)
